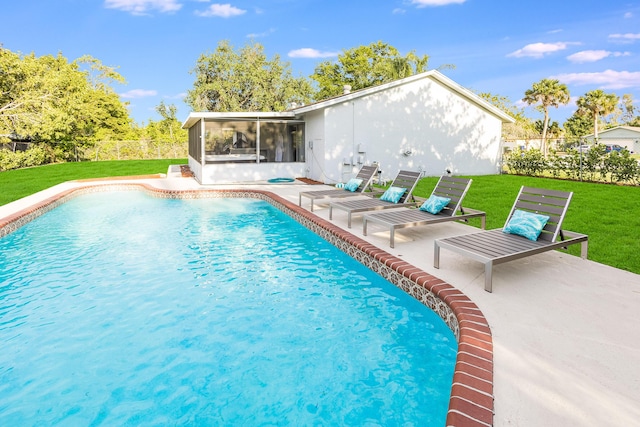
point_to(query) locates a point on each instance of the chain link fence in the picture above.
(135, 150)
(15, 155)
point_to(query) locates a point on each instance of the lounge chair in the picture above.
(405, 179)
(447, 188)
(500, 245)
(365, 174)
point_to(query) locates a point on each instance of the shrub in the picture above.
(595, 165)
(34, 156)
(526, 162)
(621, 167)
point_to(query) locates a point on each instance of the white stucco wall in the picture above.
(422, 126)
(230, 173)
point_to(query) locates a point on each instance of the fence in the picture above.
(138, 149)
(15, 155)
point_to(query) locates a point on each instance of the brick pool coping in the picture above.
(471, 399)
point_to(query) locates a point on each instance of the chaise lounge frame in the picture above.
(448, 186)
(495, 247)
(366, 173)
(404, 179)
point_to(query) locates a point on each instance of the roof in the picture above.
(432, 74)
(194, 117)
(294, 112)
(632, 129)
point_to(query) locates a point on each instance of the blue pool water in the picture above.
(123, 309)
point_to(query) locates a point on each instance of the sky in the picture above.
(496, 46)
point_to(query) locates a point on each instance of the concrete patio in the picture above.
(566, 331)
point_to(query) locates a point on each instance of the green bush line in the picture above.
(595, 165)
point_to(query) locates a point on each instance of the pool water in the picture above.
(124, 309)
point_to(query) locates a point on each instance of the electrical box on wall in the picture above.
(361, 149)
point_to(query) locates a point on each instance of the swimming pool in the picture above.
(257, 324)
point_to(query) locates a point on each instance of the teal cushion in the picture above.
(434, 204)
(526, 224)
(393, 194)
(353, 184)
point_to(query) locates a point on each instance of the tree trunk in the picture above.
(544, 132)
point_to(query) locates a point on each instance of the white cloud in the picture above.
(181, 95)
(307, 52)
(138, 93)
(221, 10)
(260, 35)
(628, 15)
(538, 50)
(398, 11)
(625, 38)
(427, 3)
(593, 55)
(141, 7)
(608, 79)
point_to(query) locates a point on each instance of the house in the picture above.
(425, 122)
(625, 136)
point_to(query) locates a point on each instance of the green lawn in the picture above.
(16, 184)
(609, 214)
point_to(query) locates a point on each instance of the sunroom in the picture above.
(245, 146)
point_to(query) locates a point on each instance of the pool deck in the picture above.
(566, 331)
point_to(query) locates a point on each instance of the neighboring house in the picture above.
(625, 136)
(425, 122)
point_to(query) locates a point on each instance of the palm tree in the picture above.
(597, 103)
(547, 93)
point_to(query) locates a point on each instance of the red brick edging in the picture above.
(471, 399)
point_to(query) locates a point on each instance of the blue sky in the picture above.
(496, 46)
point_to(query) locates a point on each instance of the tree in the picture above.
(597, 104)
(635, 122)
(523, 128)
(170, 122)
(577, 126)
(59, 103)
(628, 109)
(245, 81)
(547, 93)
(366, 66)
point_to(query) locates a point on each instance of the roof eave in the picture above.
(194, 117)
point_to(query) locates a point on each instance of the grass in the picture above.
(609, 214)
(16, 184)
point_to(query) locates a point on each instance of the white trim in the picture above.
(195, 116)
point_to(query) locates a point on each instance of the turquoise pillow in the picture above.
(393, 194)
(526, 224)
(434, 204)
(353, 184)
